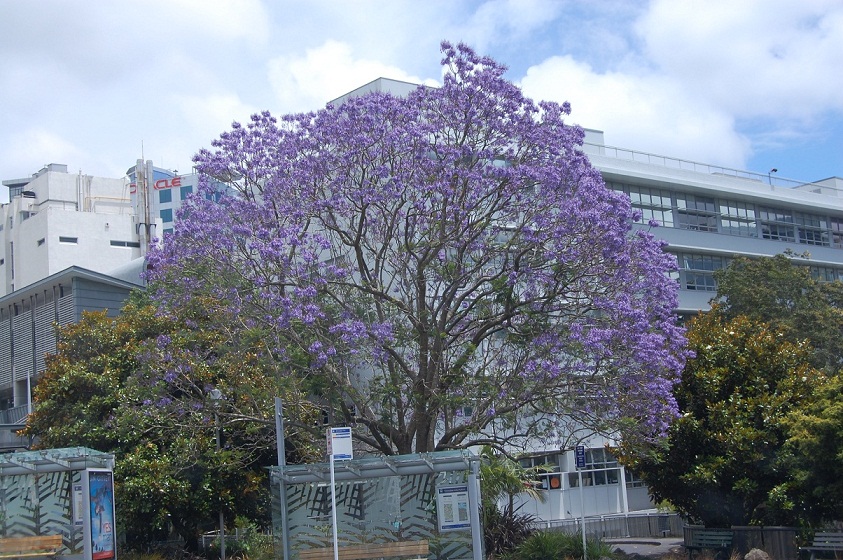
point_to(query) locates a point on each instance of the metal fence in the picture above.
(778, 542)
(633, 525)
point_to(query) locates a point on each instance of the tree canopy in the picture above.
(760, 425)
(722, 463)
(781, 291)
(446, 269)
(99, 391)
(814, 455)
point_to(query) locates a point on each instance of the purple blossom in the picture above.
(457, 241)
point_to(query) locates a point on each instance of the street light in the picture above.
(216, 396)
(770, 175)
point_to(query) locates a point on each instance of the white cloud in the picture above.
(32, 145)
(208, 116)
(508, 20)
(303, 83)
(754, 58)
(221, 19)
(649, 113)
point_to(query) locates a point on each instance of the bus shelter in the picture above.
(66, 492)
(424, 505)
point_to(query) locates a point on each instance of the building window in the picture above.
(165, 195)
(654, 204)
(41, 241)
(696, 272)
(547, 468)
(813, 229)
(826, 273)
(185, 191)
(777, 224)
(116, 243)
(836, 232)
(601, 468)
(738, 218)
(167, 215)
(63, 239)
(632, 480)
(168, 231)
(696, 213)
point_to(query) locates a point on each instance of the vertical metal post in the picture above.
(222, 514)
(334, 509)
(282, 462)
(582, 515)
(474, 509)
(216, 396)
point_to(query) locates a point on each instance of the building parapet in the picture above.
(830, 187)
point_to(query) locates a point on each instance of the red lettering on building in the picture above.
(167, 183)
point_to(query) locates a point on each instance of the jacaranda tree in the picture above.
(444, 269)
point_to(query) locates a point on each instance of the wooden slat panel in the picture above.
(367, 551)
(16, 547)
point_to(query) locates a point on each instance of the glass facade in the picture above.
(731, 217)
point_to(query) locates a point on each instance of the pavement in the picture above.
(647, 547)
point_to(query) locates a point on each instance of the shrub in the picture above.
(504, 529)
(555, 545)
(252, 545)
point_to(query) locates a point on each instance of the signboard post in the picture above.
(339, 448)
(580, 459)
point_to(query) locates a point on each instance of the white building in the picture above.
(71, 243)
(707, 214)
(55, 220)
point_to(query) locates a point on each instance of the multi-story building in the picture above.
(707, 214)
(164, 193)
(55, 220)
(71, 243)
(28, 317)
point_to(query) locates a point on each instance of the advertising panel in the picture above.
(101, 496)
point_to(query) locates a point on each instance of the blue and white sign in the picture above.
(452, 508)
(339, 443)
(580, 455)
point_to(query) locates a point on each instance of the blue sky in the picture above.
(754, 84)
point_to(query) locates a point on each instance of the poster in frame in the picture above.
(101, 514)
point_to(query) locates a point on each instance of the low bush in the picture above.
(556, 545)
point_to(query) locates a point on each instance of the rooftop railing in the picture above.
(686, 165)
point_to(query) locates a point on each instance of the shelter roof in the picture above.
(377, 466)
(54, 460)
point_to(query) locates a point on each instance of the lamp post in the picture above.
(216, 396)
(770, 175)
